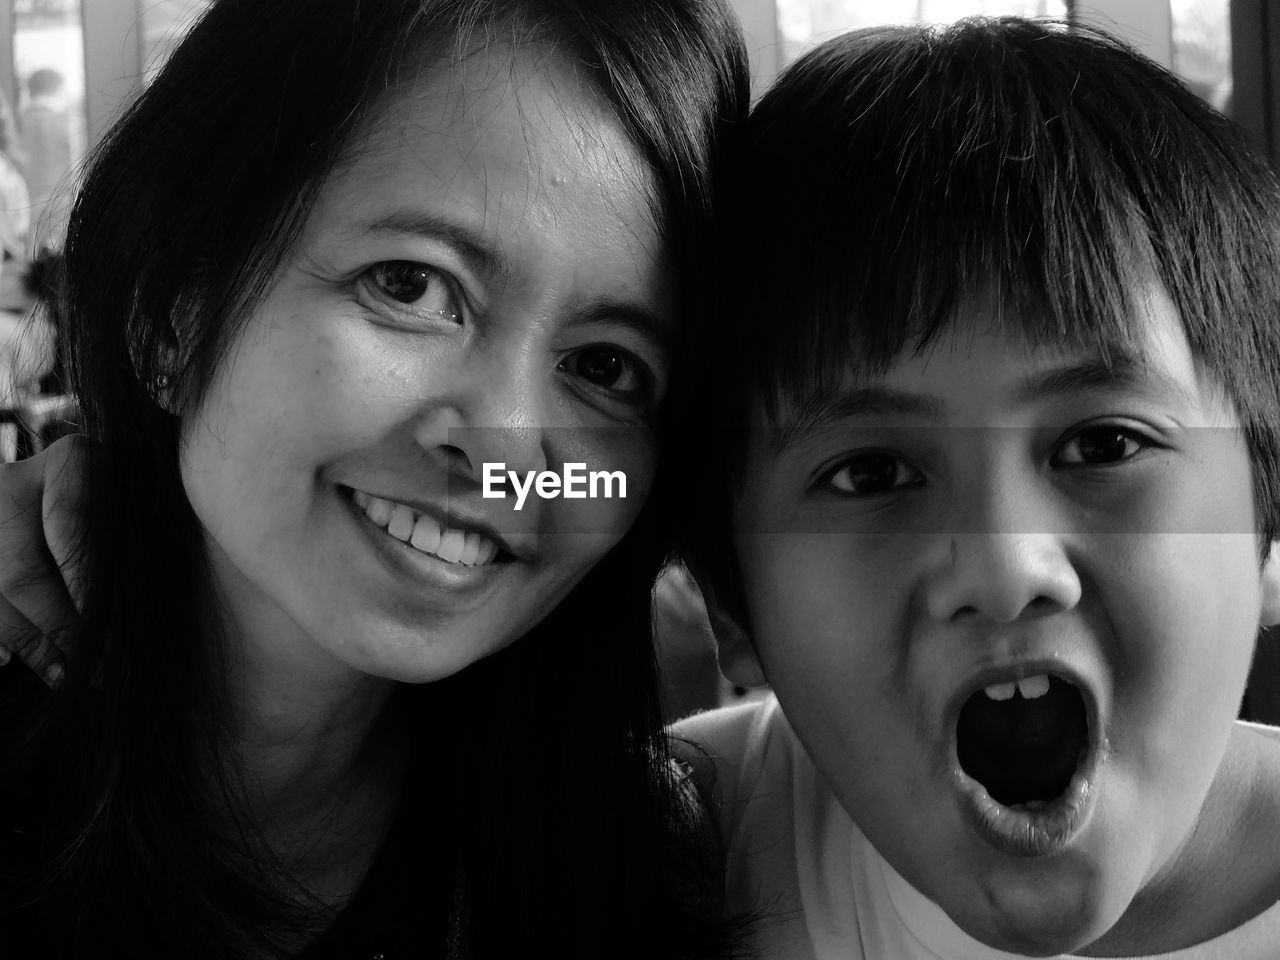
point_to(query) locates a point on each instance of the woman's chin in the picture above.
(415, 656)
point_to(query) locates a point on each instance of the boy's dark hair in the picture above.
(891, 173)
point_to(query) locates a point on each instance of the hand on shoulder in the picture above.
(41, 501)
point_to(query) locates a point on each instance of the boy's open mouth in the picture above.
(1023, 740)
(1024, 746)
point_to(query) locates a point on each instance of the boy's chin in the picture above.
(1026, 938)
(1034, 917)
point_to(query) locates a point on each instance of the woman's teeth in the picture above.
(425, 534)
(1031, 688)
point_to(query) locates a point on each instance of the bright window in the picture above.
(1202, 48)
(48, 66)
(804, 23)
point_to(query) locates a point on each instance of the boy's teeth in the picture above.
(1033, 687)
(1030, 688)
(1001, 691)
(425, 534)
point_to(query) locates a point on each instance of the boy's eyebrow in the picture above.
(818, 412)
(1120, 369)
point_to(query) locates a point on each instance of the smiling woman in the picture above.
(310, 292)
(487, 230)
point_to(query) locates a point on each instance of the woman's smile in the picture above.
(443, 564)
(450, 540)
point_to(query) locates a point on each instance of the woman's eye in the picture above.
(869, 474)
(612, 370)
(403, 283)
(1096, 446)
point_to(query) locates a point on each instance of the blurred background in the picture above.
(68, 66)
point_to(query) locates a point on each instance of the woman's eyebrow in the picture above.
(480, 255)
(632, 316)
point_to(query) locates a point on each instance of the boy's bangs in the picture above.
(960, 176)
(1042, 283)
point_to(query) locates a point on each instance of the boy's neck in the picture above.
(1227, 873)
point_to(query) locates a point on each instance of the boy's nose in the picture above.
(1002, 577)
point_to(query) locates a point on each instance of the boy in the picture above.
(1007, 321)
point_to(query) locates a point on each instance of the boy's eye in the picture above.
(612, 370)
(404, 283)
(1099, 445)
(869, 474)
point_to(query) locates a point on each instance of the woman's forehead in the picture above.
(505, 127)
(520, 104)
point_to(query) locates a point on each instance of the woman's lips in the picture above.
(426, 534)
(423, 570)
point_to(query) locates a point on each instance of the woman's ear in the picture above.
(162, 351)
(157, 361)
(1271, 586)
(734, 649)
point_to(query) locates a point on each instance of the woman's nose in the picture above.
(491, 412)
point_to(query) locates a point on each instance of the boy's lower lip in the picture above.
(1029, 830)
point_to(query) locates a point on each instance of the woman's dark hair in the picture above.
(894, 172)
(558, 828)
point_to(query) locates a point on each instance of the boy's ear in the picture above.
(1271, 586)
(737, 655)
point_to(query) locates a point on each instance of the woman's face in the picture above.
(482, 281)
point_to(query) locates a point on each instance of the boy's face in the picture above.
(1008, 599)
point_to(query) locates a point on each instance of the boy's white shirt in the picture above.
(820, 889)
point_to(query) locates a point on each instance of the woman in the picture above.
(311, 290)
